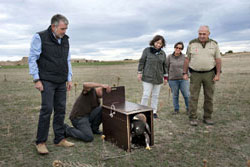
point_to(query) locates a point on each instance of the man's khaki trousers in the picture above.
(196, 81)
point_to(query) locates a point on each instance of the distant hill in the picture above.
(236, 54)
(24, 61)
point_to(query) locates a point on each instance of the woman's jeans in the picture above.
(147, 89)
(177, 85)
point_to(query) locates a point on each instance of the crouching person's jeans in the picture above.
(85, 126)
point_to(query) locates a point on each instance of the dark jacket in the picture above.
(84, 104)
(53, 61)
(153, 66)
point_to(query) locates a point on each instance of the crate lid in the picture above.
(127, 107)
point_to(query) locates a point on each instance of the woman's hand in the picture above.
(165, 82)
(185, 76)
(139, 76)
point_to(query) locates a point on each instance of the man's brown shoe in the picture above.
(65, 143)
(208, 122)
(41, 148)
(193, 123)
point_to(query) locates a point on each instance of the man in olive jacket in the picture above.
(204, 62)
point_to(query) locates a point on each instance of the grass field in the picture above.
(177, 144)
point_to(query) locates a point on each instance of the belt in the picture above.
(191, 70)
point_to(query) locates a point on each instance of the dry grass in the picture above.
(177, 144)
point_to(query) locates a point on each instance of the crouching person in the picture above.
(86, 115)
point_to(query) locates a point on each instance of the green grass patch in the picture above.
(14, 66)
(103, 63)
(78, 64)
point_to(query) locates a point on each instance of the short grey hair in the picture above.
(206, 26)
(57, 18)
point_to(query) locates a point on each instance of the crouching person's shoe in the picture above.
(97, 132)
(65, 143)
(41, 148)
(208, 121)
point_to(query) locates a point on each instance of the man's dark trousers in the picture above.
(84, 127)
(53, 98)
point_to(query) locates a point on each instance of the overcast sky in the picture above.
(121, 29)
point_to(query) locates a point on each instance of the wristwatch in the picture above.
(36, 80)
(184, 73)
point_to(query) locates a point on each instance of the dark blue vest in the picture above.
(53, 61)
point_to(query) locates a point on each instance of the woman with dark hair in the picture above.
(175, 62)
(151, 71)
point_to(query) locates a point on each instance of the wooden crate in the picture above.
(117, 115)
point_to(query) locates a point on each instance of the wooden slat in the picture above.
(117, 95)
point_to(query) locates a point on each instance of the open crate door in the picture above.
(117, 95)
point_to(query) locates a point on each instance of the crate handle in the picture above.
(112, 108)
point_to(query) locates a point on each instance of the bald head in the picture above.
(204, 33)
(204, 27)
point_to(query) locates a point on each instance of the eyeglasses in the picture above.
(178, 48)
